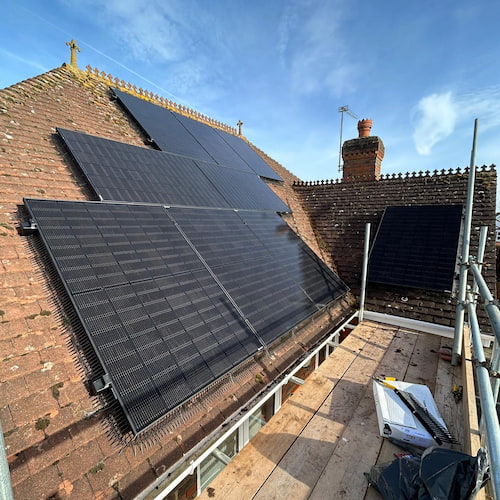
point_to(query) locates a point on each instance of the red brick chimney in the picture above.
(363, 156)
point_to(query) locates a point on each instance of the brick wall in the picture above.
(340, 210)
(363, 157)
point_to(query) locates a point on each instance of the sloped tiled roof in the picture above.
(56, 442)
(340, 210)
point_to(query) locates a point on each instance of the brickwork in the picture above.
(340, 210)
(57, 445)
(363, 157)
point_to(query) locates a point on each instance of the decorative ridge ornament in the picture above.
(127, 87)
(73, 50)
(399, 175)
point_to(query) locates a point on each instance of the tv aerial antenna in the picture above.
(342, 110)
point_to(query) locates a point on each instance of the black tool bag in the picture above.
(438, 474)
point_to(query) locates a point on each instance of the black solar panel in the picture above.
(176, 133)
(220, 236)
(416, 246)
(212, 142)
(267, 295)
(319, 283)
(160, 323)
(242, 190)
(275, 281)
(163, 127)
(251, 158)
(121, 172)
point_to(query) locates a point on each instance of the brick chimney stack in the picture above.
(363, 156)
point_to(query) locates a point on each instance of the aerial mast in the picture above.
(342, 110)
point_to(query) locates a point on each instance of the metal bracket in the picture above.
(296, 380)
(487, 365)
(28, 228)
(101, 384)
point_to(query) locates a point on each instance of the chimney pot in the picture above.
(364, 127)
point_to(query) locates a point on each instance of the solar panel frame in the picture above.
(212, 142)
(122, 172)
(128, 319)
(243, 190)
(249, 156)
(162, 127)
(416, 247)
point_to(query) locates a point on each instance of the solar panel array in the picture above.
(173, 298)
(176, 133)
(184, 269)
(416, 246)
(122, 172)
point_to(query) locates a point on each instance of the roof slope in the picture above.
(56, 443)
(339, 212)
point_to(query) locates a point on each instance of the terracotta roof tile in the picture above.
(44, 483)
(135, 482)
(164, 458)
(33, 408)
(79, 461)
(8, 424)
(50, 450)
(18, 439)
(14, 389)
(106, 474)
(19, 471)
(81, 489)
(46, 412)
(87, 429)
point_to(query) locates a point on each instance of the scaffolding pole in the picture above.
(483, 237)
(489, 302)
(5, 484)
(464, 258)
(488, 406)
(364, 272)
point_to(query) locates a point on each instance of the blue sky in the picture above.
(422, 71)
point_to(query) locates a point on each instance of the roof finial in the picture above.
(74, 49)
(240, 123)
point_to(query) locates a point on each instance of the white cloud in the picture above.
(435, 118)
(286, 24)
(483, 104)
(313, 50)
(15, 57)
(151, 32)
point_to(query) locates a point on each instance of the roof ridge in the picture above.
(146, 95)
(268, 159)
(399, 175)
(32, 79)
